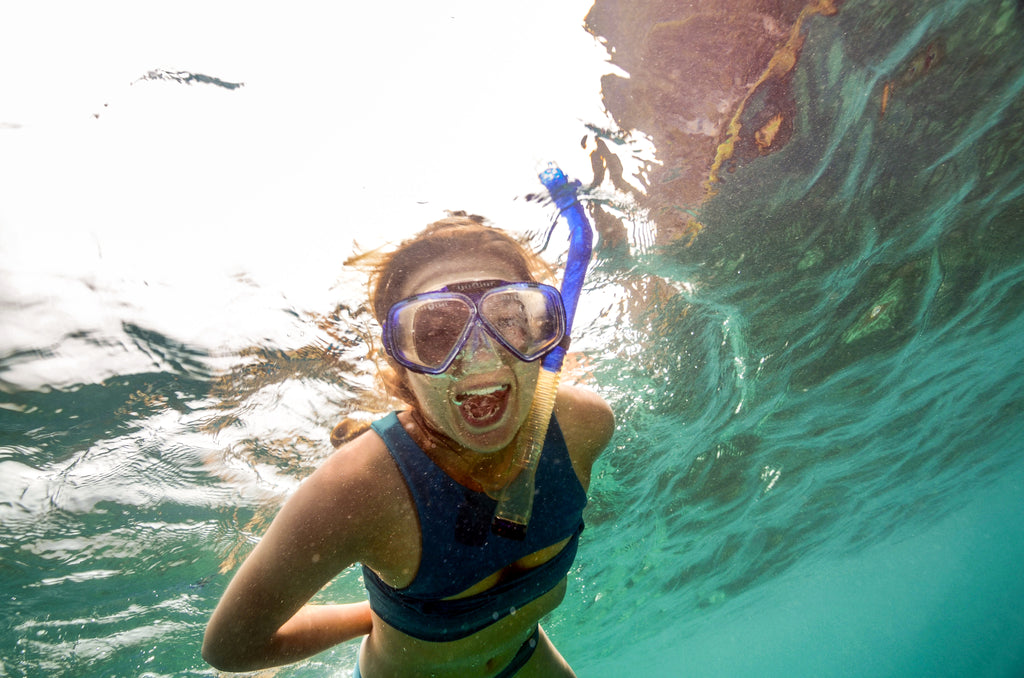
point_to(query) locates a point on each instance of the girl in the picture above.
(464, 325)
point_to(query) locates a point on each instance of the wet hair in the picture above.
(459, 236)
(456, 237)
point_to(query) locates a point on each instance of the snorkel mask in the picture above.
(425, 332)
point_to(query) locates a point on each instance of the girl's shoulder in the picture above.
(587, 425)
(357, 497)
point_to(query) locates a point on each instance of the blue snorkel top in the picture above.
(581, 239)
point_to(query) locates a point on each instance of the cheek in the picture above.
(526, 375)
(427, 389)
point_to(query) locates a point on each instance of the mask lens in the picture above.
(430, 331)
(528, 319)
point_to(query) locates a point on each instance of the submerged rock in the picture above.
(710, 83)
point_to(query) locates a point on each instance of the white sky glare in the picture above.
(356, 120)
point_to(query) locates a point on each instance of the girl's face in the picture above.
(484, 397)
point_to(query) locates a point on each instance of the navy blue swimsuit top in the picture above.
(459, 550)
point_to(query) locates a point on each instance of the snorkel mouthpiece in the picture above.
(516, 504)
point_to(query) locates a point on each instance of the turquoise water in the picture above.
(818, 469)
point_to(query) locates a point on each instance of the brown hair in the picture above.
(459, 236)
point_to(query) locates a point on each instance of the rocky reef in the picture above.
(710, 83)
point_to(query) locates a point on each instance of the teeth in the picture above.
(482, 391)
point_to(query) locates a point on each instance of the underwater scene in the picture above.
(806, 309)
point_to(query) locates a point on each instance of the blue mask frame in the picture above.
(466, 306)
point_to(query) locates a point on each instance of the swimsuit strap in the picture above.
(526, 651)
(523, 655)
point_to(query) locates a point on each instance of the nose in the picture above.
(479, 351)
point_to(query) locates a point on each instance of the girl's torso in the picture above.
(389, 652)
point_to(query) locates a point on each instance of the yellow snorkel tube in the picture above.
(512, 515)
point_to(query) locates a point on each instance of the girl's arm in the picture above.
(313, 629)
(263, 618)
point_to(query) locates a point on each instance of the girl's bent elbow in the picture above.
(211, 657)
(220, 657)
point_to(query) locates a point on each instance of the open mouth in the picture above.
(483, 406)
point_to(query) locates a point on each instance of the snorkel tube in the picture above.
(516, 504)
